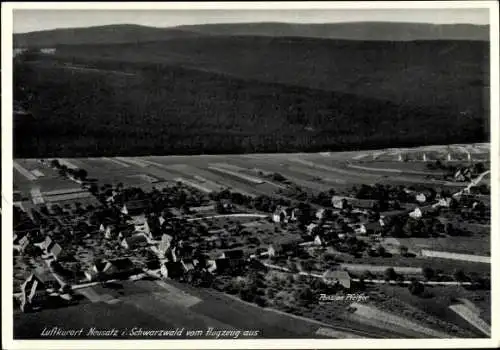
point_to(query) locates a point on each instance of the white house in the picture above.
(271, 251)
(444, 202)
(161, 220)
(360, 229)
(310, 228)
(164, 245)
(421, 198)
(416, 214)
(211, 266)
(339, 202)
(318, 241)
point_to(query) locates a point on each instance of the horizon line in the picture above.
(254, 22)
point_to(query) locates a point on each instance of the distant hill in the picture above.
(385, 31)
(111, 34)
(163, 109)
(128, 33)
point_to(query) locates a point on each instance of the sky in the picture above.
(37, 20)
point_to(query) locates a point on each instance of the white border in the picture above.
(7, 333)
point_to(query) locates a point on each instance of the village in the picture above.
(274, 251)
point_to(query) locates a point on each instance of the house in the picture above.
(463, 174)
(227, 204)
(310, 228)
(283, 214)
(222, 265)
(49, 248)
(189, 264)
(175, 212)
(271, 251)
(421, 198)
(165, 244)
(135, 241)
(444, 202)
(203, 208)
(416, 214)
(103, 269)
(21, 244)
(135, 208)
(339, 202)
(109, 230)
(318, 241)
(33, 293)
(161, 220)
(360, 229)
(211, 266)
(341, 277)
(143, 227)
(171, 254)
(172, 269)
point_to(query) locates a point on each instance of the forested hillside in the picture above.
(162, 109)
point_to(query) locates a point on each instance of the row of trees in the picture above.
(79, 174)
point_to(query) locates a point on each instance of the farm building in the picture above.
(333, 277)
(33, 293)
(135, 241)
(49, 248)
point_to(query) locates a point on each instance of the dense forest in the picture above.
(163, 109)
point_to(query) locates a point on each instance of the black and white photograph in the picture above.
(208, 172)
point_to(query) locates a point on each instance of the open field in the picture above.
(151, 304)
(313, 172)
(465, 245)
